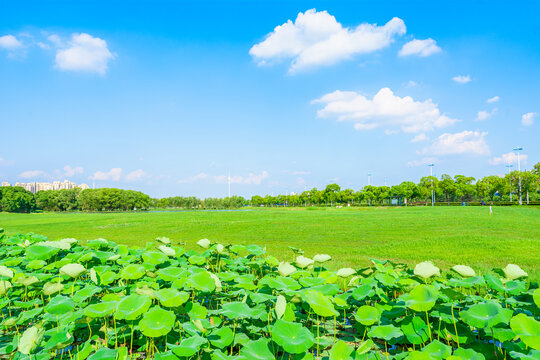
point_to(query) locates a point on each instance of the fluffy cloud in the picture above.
(508, 158)
(67, 172)
(384, 110)
(9, 42)
(493, 99)
(192, 179)
(423, 162)
(136, 175)
(462, 79)
(248, 180)
(115, 174)
(315, 38)
(528, 119)
(419, 138)
(465, 142)
(420, 48)
(31, 174)
(72, 171)
(83, 53)
(484, 115)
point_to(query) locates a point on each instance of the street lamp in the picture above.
(509, 166)
(518, 149)
(431, 176)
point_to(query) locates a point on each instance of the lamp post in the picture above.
(509, 166)
(369, 178)
(431, 176)
(518, 149)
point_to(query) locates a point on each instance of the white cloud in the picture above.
(508, 158)
(248, 180)
(410, 84)
(72, 171)
(419, 138)
(384, 110)
(420, 48)
(315, 38)
(192, 179)
(114, 174)
(30, 174)
(83, 53)
(9, 42)
(136, 175)
(528, 119)
(493, 99)
(423, 162)
(484, 115)
(462, 79)
(465, 142)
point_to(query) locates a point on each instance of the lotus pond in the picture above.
(99, 300)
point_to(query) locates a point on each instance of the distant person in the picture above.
(483, 203)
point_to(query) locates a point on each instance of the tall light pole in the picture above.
(509, 167)
(518, 149)
(431, 176)
(369, 178)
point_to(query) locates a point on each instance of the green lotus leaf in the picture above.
(100, 310)
(189, 346)
(133, 272)
(30, 339)
(196, 311)
(5, 271)
(4, 286)
(415, 330)
(171, 297)
(340, 351)
(321, 304)
(419, 355)
(197, 260)
(281, 306)
(486, 314)
(104, 354)
(145, 290)
(438, 350)
(367, 315)
(25, 280)
(164, 240)
(528, 330)
(165, 355)
(86, 292)
(236, 310)
(386, 332)
(167, 250)
(536, 297)
(286, 269)
(256, 350)
(217, 282)
(73, 270)
(52, 287)
(531, 355)
(303, 262)
(494, 283)
(171, 273)
(364, 347)
(362, 292)
(292, 337)
(108, 277)
(40, 252)
(426, 270)
(202, 281)
(422, 298)
(60, 305)
(512, 272)
(59, 340)
(154, 258)
(345, 272)
(464, 270)
(157, 322)
(321, 258)
(204, 243)
(132, 306)
(468, 354)
(36, 264)
(515, 287)
(221, 337)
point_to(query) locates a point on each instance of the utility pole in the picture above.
(431, 176)
(518, 149)
(509, 166)
(369, 178)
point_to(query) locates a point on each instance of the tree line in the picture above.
(446, 189)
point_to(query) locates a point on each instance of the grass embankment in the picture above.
(445, 235)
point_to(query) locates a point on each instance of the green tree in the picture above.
(16, 199)
(464, 187)
(447, 186)
(489, 186)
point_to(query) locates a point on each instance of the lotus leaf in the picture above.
(197, 260)
(100, 310)
(286, 269)
(340, 351)
(73, 270)
(104, 354)
(386, 332)
(236, 310)
(292, 337)
(486, 314)
(512, 272)
(426, 270)
(157, 322)
(154, 258)
(59, 340)
(189, 346)
(4, 287)
(422, 298)
(60, 305)
(321, 258)
(221, 337)
(133, 272)
(171, 297)
(367, 315)
(464, 270)
(25, 280)
(171, 273)
(204, 243)
(5, 271)
(30, 339)
(202, 281)
(303, 262)
(39, 252)
(132, 306)
(346, 272)
(167, 250)
(321, 304)
(528, 330)
(281, 306)
(468, 354)
(52, 287)
(536, 297)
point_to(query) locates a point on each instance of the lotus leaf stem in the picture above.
(455, 326)
(429, 327)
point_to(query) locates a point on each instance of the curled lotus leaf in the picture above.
(164, 240)
(386, 332)
(145, 290)
(202, 281)
(52, 287)
(426, 270)
(204, 243)
(167, 250)
(292, 337)
(60, 305)
(4, 286)
(5, 271)
(513, 272)
(132, 306)
(30, 339)
(321, 258)
(257, 349)
(133, 272)
(25, 280)
(320, 303)
(36, 264)
(340, 351)
(216, 281)
(303, 262)
(281, 306)
(73, 270)
(171, 297)
(220, 248)
(157, 322)
(346, 272)
(464, 270)
(221, 337)
(528, 330)
(189, 346)
(285, 269)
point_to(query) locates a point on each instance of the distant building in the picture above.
(34, 187)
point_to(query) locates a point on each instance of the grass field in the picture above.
(445, 235)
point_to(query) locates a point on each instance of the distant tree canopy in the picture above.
(16, 199)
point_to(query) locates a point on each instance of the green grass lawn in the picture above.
(445, 235)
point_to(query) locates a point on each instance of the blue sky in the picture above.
(166, 97)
